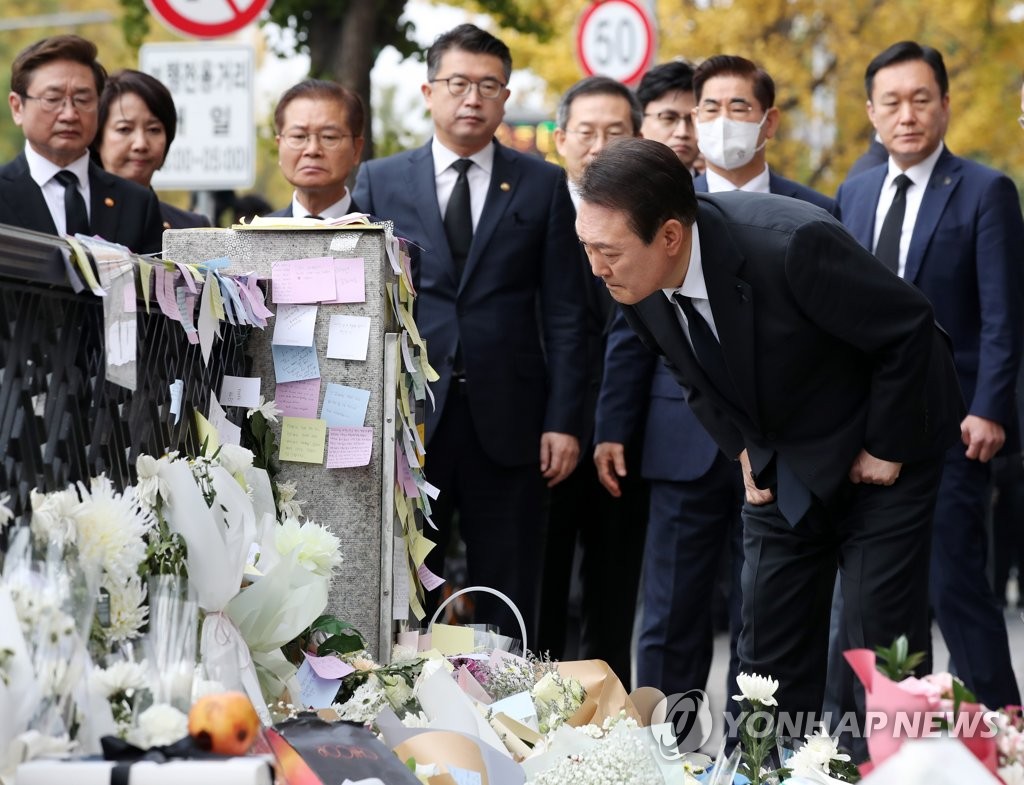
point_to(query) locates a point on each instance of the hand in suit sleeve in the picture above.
(563, 317)
(848, 293)
(999, 240)
(625, 388)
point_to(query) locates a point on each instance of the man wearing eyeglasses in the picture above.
(52, 186)
(666, 94)
(501, 307)
(319, 128)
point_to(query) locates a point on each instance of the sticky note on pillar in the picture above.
(303, 439)
(348, 337)
(294, 325)
(303, 280)
(349, 447)
(349, 281)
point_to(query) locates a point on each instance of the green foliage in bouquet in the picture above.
(896, 662)
(260, 438)
(327, 635)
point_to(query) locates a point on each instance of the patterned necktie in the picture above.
(458, 217)
(75, 215)
(888, 248)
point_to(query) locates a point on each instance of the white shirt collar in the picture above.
(758, 184)
(693, 285)
(42, 169)
(919, 173)
(341, 207)
(444, 158)
(574, 194)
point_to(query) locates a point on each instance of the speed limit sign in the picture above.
(616, 38)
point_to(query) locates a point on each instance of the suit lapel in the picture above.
(504, 178)
(25, 198)
(732, 303)
(104, 203)
(860, 221)
(424, 192)
(943, 182)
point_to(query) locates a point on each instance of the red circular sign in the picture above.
(616, 38)
(207, 18)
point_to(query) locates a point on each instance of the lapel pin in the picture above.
(108, 202)
(505, 187)
(947, 181)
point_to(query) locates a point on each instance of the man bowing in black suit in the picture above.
(52, 186)
(808, 361)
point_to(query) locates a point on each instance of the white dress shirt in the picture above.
(758, 184)
(479, 176)
(341, 207)
(695, 288)
(919, 174)
(43, 170)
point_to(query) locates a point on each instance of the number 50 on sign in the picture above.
(616, 38)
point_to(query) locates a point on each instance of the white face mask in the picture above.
(729, 144)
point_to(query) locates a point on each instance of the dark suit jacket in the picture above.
(176, 218)
(675, 447)
(121, 211)
(524, 378)
(286, 211)
(965, 255)
(828, 351)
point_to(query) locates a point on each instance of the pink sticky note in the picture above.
(328, 667)
(130, 304)
(427, 578)
(298, 399)
(405, 478)
(165, 296)
(303, 280)
(350, 281)
(349, 447)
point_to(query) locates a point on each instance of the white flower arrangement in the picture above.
(6, 513)
(267, 408)
(757, 689)
(814, 759)
(159, 725)
(556, 699)
(365, 704)
(110, 529)
(120, 678)
(620, 757)
(317, 549)
(287, 505)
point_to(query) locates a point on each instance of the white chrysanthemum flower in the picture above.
(128, 609)
(365, 704)
(111, 529)
(757, 689)
(417, 720)
(397, 691)
(287, 505)
(150, 487)
(6, 513)
(234, 459)
(52, 520)
(159, 725)
(267, 408)
(316, 548)
(119, 678)
(814, 758)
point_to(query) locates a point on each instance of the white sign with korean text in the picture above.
(212, 85)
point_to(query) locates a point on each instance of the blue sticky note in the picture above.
(464, 776)
(315, 692)
(295, 363)
(344, 407)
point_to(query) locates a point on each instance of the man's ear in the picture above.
(674, 235)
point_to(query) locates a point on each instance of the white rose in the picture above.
(234, 458)
(547, 689)
(159, 725)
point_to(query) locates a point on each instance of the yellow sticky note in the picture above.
(452, 640)
(216, 301)
(303, 439)
(407, 322)
(145, 271)
(419, 546)
(207, 434)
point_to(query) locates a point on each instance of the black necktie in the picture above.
(458, 218)
(75, 215)
(888, 248)
(707, 348)
(316, 217)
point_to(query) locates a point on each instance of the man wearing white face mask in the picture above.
(735, 117)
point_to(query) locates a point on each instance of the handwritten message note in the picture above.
(349, 337)
(240, 391)
(298, 399)
(349, 447)
(344, 406)
(316, 692)
(294, 325)
(303, 280)
(302, 440)
(349, 281)
(295, 363)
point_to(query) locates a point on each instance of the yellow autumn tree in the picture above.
(817, 50)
